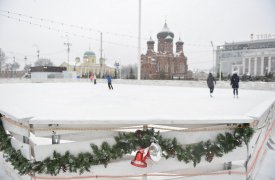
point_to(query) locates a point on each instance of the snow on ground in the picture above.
(85, 101)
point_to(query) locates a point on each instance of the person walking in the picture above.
(235, 84)
(210, 83)
(91, 77)
(109, 80)
(94, 79)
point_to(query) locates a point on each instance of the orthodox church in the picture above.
(164, 63)
(89, 65)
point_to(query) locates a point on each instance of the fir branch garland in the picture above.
(125, 144)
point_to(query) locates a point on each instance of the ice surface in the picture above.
(127, 103)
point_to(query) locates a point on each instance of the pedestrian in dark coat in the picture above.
(235, 84)
(210, 83)
(94, 79)
(109, 80)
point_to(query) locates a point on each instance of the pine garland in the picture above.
(125, 144)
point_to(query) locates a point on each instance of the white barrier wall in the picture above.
(8, 173)
(223, 84)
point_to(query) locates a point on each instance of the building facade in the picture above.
(254, 58)
(164, 63)
(89, 66)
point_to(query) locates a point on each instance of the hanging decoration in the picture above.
(209, 156)
(153, 152)
(150, 144)
(140, 158)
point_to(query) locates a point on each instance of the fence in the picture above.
(35, 141)
(223, 84)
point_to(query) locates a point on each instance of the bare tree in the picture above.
(2, 59)
(43, 62)
(8, 66)
(15, 66)
(129, 71)
(27, 67)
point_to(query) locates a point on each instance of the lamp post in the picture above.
(213, 57)
(119, 67)
(68, 44)
(120, 71)
(68, 50)
(25, 58)
(35, 45)
(220, 74)
(139, 39)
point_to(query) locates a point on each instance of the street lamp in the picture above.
(139, 39)
(213, 58)
(220, 73)
(68, 44)
(119, 67)
(25, 58)
(35, 45)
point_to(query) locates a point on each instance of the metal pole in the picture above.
(68, 57)
(100, 44)
(101, 60)
(119, 67)
(12, 67)
(220, 78)
(25, 60)
(38, 54)
(139, 40)
(213, 59)
(145, 127)
(214, 70)
(246, 162)
(120, 71)
(68, 49)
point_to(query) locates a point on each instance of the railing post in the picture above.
(144, 176)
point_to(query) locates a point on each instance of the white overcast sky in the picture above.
(198, 22)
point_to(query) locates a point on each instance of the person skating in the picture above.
(210, 83)
(235, 84)
(109, 80)
(94, 79)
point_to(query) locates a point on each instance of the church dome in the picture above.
(168, 39)
(179, 42)
(150, 41)
(88, 54)
(165, 32)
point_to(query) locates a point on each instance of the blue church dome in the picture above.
(89, 53)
